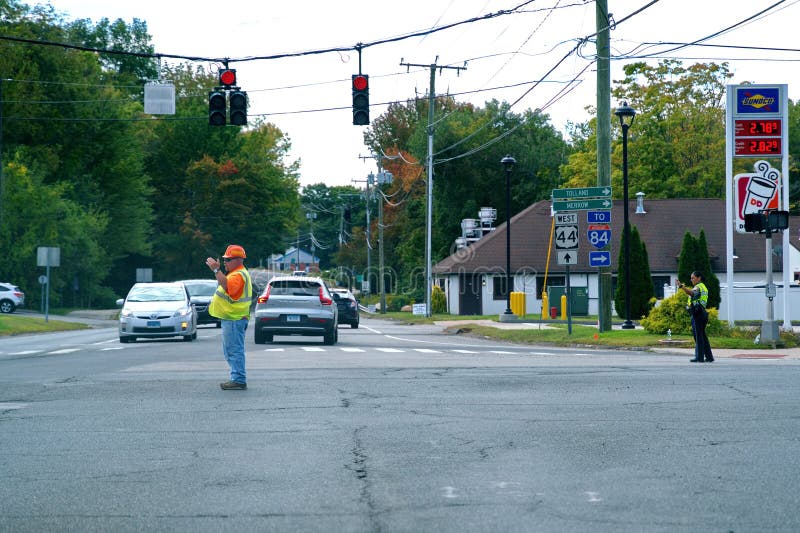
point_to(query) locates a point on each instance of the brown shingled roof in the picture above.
(661, 228)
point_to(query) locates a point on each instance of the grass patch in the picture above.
(21, 325)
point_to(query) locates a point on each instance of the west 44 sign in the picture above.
(566, 237)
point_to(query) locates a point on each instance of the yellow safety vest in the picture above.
(702, 297)
(224, 307)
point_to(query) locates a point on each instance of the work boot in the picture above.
(695, 360)
(233, 385)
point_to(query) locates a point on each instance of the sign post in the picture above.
(47, 257)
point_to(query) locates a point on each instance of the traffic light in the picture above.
(766, 221)
(360, 99)
(238, 112)
(227, 77)
(216, 108)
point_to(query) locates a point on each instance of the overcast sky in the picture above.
(511, 51)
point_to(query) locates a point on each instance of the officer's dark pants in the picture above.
(702, 348)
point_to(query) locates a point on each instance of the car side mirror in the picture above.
(336, 296)
(120, 302)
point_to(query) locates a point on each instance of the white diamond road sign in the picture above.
(566, 237)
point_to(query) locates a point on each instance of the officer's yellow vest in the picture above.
(224, 307)
(702, 298)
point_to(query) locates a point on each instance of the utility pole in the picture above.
(602, 20)
(429, 216)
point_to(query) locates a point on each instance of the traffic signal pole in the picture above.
(429, 216)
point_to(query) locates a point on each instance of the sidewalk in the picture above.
(757, 352)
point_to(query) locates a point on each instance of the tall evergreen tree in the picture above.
(710, 279)
(686, 258)
(641, 281)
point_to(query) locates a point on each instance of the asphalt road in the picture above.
(396, 428)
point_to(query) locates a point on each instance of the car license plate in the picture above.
(292, 318)
(153, 324)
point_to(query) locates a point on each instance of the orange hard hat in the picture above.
(234, 250)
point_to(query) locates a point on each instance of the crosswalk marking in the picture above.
(26, 352)
(389, 350)
(65, 350)
(501, 352)
(352, 349)
(426, 350)
(313, 349)
(464, 351)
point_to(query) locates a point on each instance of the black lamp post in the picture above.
(508, 163)
(626, 115)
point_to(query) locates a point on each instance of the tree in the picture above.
(694, 257)
(641, 286)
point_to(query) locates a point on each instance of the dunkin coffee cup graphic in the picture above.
(759, 192)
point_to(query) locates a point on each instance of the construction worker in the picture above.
(231, 304)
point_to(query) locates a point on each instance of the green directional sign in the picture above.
(581, 205)
(582, 193)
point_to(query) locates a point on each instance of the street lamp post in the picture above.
(508, 163)
(626, 115)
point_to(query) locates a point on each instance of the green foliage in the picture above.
(438, 300)
(395, 302)
(694, 257)
(672, 314)
(641, 282)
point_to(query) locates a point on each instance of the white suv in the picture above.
(296, 305)
(11, 297)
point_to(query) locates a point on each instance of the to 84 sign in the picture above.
(599, 235)
(566, 237)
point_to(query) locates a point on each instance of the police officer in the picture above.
(698, 300)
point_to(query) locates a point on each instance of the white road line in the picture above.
(501, 352)
(106, 342)
(426, 350)
(464, 351)
(313, 349)
(114, 348)
(26, 352)
(65, 350)
(351, 349)
(389, 350)
(274, 350)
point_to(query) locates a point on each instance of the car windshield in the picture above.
(156, 293)
(294, 287)
(201, 289)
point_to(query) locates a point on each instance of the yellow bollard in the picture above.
(563, 307)
(545, 308)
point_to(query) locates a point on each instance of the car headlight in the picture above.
(125, 313)
(183, 311)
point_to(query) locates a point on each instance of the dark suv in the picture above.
(200, 292)
(296, 305)
(348, 307)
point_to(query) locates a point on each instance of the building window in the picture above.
(658, 285)
(552, 281)
(499, 288)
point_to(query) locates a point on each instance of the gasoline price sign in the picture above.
(566, 237)
(599, 235)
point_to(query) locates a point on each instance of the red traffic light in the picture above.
(227, 77)
(360, 82)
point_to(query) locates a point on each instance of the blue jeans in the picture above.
(233, 347)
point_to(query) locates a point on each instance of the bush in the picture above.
(395, 302)
(672, 314)
(438, 300)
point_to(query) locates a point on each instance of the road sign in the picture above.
(566, 237)
(582, 193)
(567, 257)
(563, 219)
(755, 192)
(599, 235)
(599, 259)
(598, 217)
(581, 205)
